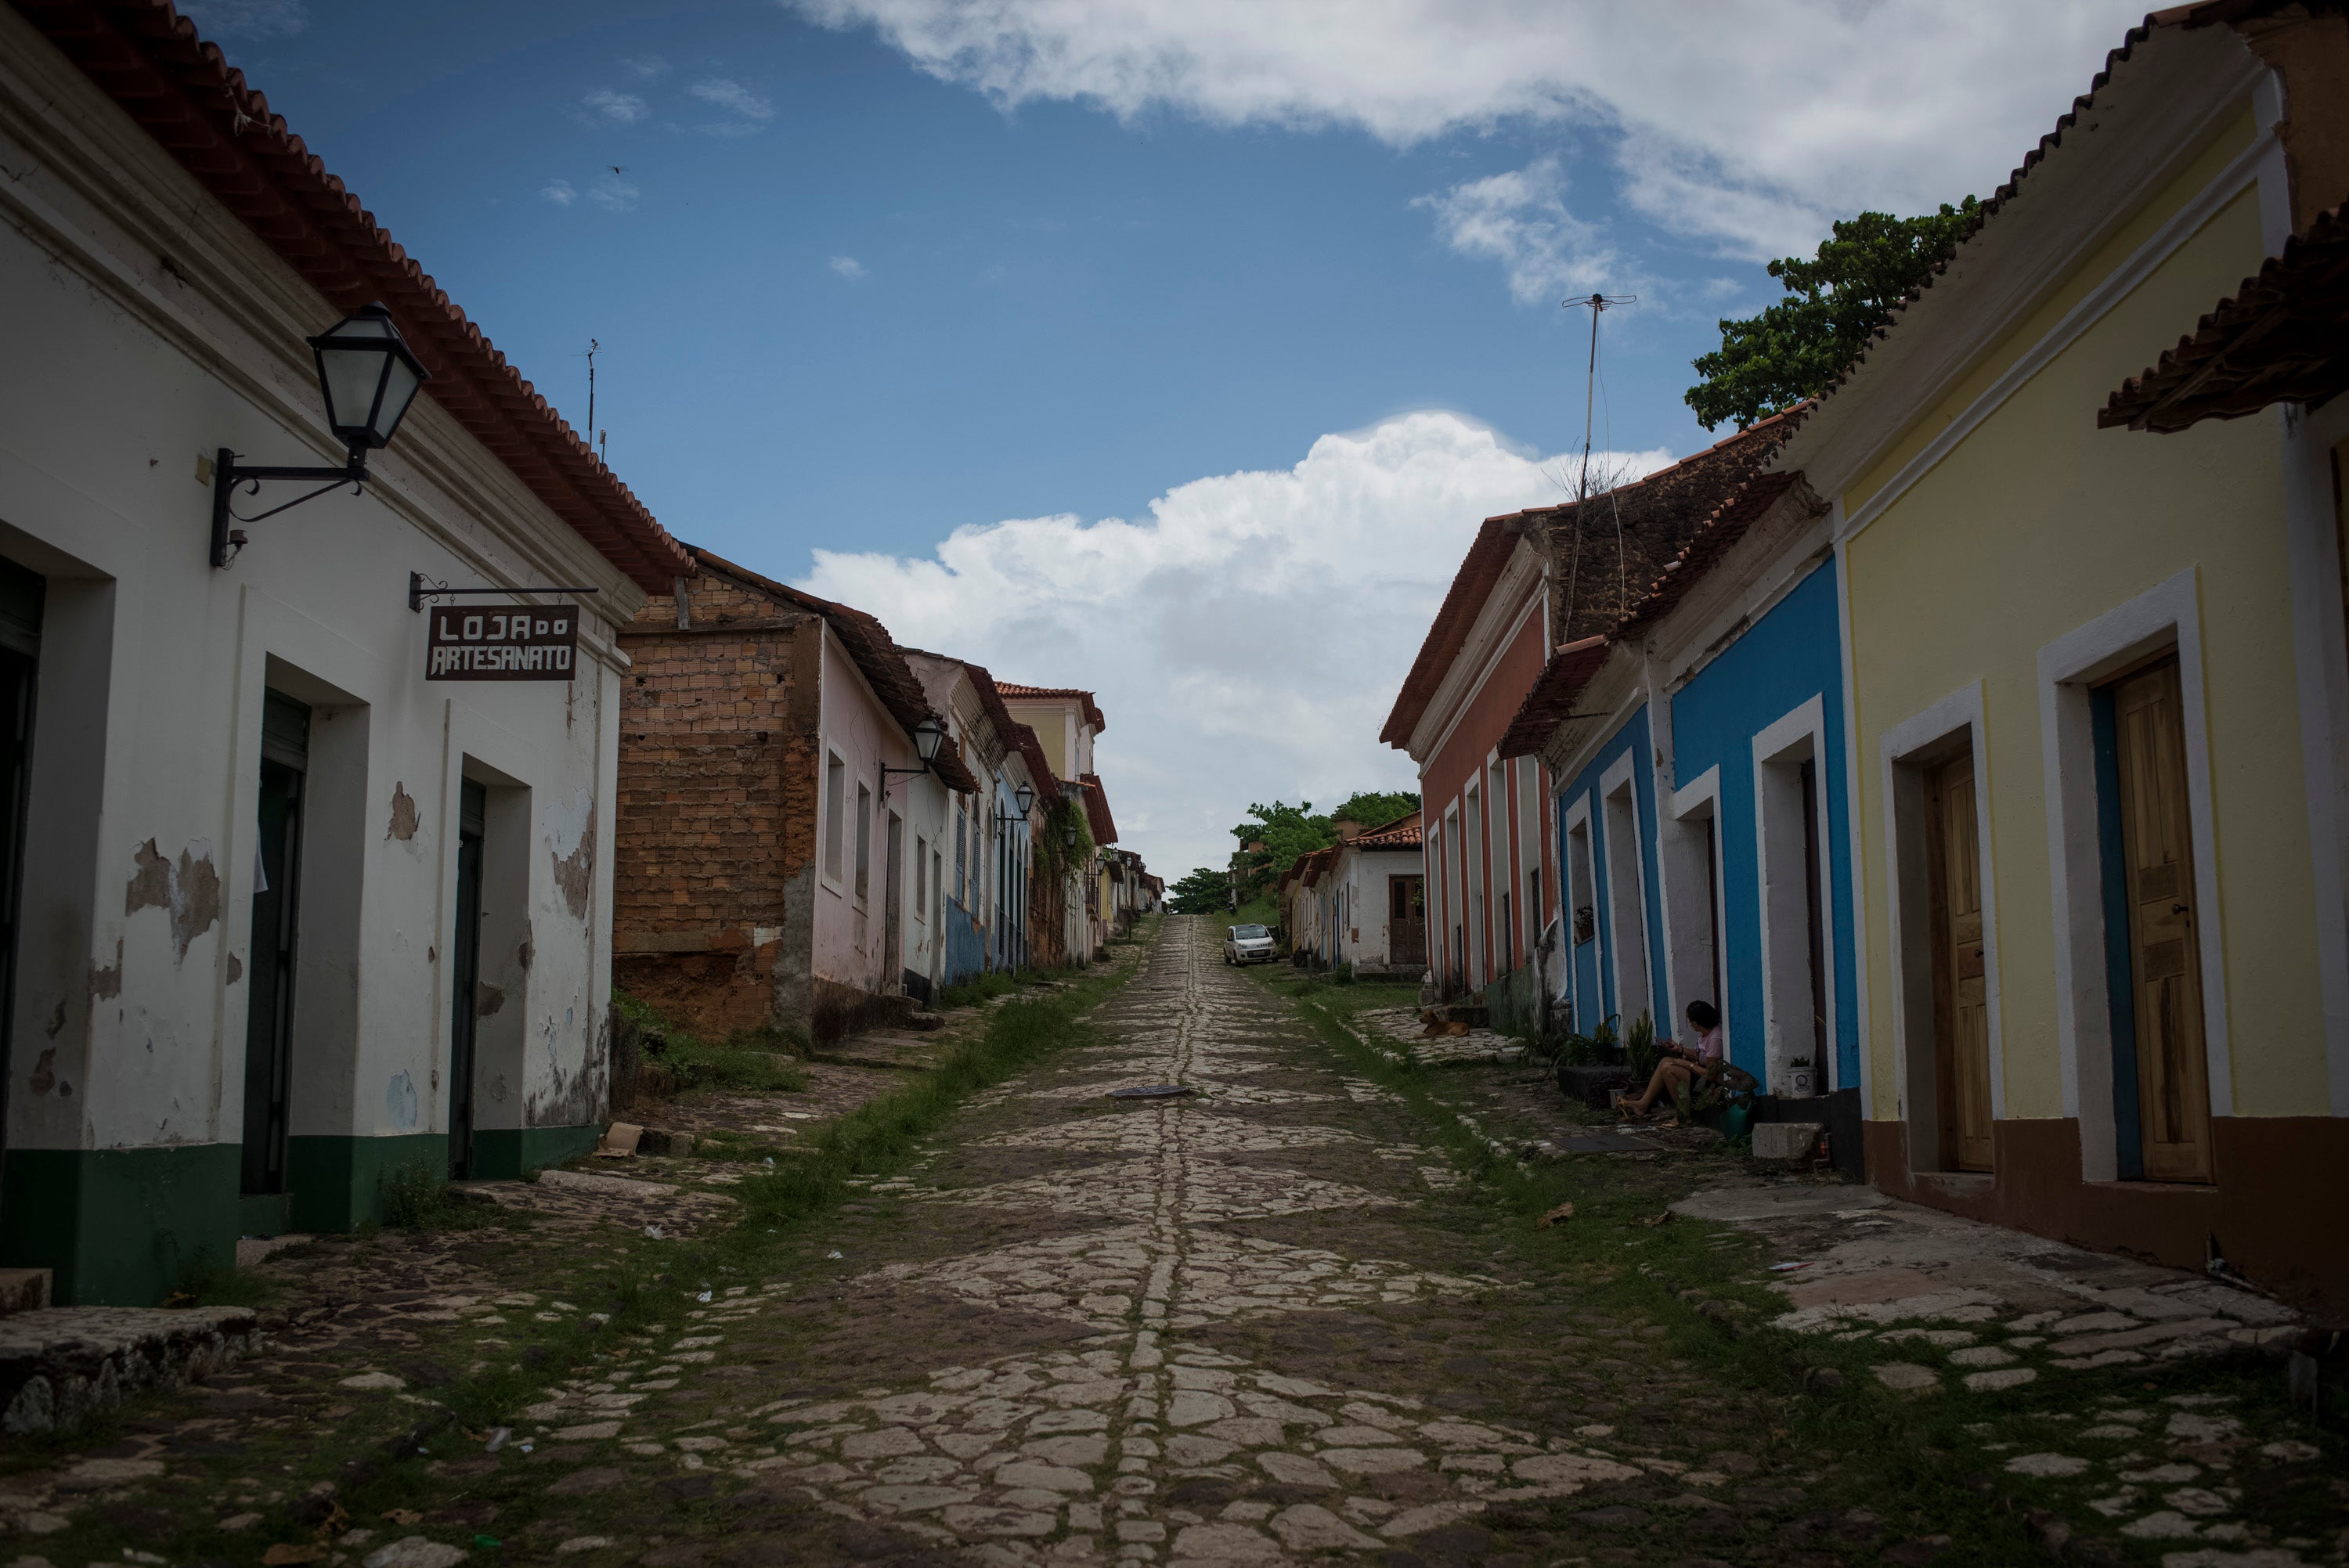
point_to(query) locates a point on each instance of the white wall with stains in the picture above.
(145, 329)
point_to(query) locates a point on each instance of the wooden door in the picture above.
(1961, 992)
(2165, 957)
(1406, 920)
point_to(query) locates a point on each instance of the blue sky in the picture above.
(1057, 312)
(874, 272)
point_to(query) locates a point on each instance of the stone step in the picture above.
(22, 1290)
(60, 1366)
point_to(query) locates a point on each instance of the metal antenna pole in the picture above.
(592, 347)
(1597, 303)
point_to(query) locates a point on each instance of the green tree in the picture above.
(1204, 891)
(1274, 836)
(1375, 808)
(1836, 302)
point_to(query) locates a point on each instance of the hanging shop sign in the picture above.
(514, 643)
(524, 644)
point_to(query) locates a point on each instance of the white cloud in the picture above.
(247, 18)
(848, 267)
(620, 109)
(1739, 123)
(644, 67)
(1520, 220)
(752, 108)
(1246, 639)
(613, 195)
(561, 193)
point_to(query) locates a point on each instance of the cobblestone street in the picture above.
(1278, 1319)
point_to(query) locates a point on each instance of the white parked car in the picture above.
(1249, 944)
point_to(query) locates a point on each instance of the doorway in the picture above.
(465, 976)
(1815, 920)
(2158, 972)
(892, 907)
(270, 953)
(1406, 920)
(1960, 989)
(21, 596)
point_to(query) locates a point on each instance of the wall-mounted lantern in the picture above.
(1024, 796)
(369, 377)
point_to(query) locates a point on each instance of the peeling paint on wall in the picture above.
(488, 999)
(44, 1076)
(104, 982)
(403, 813)
(399, 1101)
(235, 969)
(570, 828)
(191, 890)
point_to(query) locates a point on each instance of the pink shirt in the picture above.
(1708, 1045)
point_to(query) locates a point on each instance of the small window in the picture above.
(921, 883)
(835, 775)
(863, 842)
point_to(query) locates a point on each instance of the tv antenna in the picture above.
(1596, 304)
(592, 348)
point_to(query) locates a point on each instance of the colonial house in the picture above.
(1698, 810)
(1490, 870)
(1360, 902)
(1100, 902)
(989, 884)
(1533, 583)
(2097, 676)
(780, 833)
(309, 822)
(1067, 721)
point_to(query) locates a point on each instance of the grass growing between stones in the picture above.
(1937, 1472)
(380, 1457)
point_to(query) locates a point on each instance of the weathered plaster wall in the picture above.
(146, 330)
(850, 947)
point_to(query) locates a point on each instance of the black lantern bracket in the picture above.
(423, 589)
(228, 473)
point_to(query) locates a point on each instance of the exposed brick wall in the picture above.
(717, 803)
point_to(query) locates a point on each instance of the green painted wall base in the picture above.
(337, 1182)
(120, 1227)
(503, 1154)
(1515, 1001)
(264, 1213)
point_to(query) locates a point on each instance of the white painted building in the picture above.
(291, 917)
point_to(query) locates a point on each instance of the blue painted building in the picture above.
(1706, 815)
(1614, 930)
(1705, 819)
(1764, 781)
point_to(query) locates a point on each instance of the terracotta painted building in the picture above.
(777, 854)
(1491, 871)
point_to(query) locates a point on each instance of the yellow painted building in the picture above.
(2098, 691)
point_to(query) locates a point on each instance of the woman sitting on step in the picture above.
(1692, 1065)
